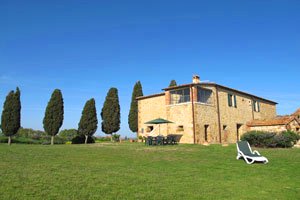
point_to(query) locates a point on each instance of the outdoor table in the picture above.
(160, 140)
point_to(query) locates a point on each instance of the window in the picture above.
(149, 129)
(204, 96)
(297, 129)
(180, 128)
(224, 127)
(256, 106)
(180, 96)
(232, 100)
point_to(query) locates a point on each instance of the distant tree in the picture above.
(54, 114)
(173, 83)
(11, 114)
(133, 113)
(111, 112)
(88, 122)
(68, 134)
(31, 133)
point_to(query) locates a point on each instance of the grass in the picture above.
(134, 171)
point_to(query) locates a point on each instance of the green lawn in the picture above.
(134, 171)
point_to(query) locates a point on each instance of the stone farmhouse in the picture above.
(206, 112)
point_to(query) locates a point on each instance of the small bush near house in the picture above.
(80, 139)
(285, 139)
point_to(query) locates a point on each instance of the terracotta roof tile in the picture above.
(280, 120)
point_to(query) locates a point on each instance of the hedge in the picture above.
(284, 139)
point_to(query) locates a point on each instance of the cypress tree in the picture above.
(11, 114)
(54, 114)
(111, 112)
(88, 121)
(133, 113)
(173, 83)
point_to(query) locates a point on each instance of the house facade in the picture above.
(203, 112)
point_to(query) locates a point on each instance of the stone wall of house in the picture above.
(232, 117)
(294, 126)
(181, 115)
(206, 117)
(233, 120)
(267, 111)
(149, 109)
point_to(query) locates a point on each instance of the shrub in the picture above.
(103, 139)
(266, 139)
(116, 137)
(80, 139)
(68, 134)
(259, 138)
(30, 133)
(59, 140)
(24, 140)
(286, 139)
(3, 139)
(141, 138)
(27, 140)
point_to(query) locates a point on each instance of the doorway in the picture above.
(238, 129)
(206, 132)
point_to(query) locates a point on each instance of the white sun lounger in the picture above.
(245, 152)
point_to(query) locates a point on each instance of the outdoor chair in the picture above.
(170, 140)
(149, 140)
(160, 140)
(245, 152)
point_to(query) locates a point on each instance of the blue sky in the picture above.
(86, 47)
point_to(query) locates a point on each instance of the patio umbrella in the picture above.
(158, 121)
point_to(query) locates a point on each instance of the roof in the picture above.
(150, 96)
(280, 120)
(220, 86)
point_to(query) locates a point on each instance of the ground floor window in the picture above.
(149, 129)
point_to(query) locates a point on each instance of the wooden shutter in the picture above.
(234, 101)
(254, 106)
(229, 100)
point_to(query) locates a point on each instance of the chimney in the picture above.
(196, 79)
